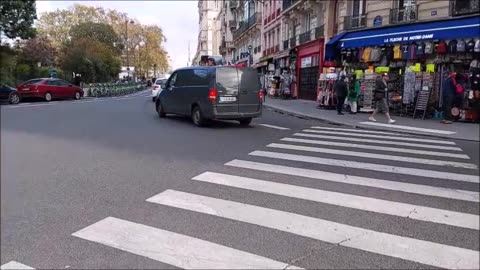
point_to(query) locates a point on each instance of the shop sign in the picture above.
(306, 62)
(408, 38)
(377, 21)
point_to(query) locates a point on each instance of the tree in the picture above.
(39, 49)
(17, 17)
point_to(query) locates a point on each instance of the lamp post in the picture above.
(126, 46)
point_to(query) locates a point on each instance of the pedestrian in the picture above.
(449, 94)
(380, 97)
(341, 90)
(353, 93)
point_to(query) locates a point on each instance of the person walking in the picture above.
(449, 94)
(353, 93)
(341, 91)
(380, 97)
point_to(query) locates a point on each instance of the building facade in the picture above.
(246, 30)
(209, 29)
(227, 24)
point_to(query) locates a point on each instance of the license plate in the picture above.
(228, 99)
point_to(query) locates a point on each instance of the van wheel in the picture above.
(160, 111)
(197, 117)
(48, 97)
(245, 121)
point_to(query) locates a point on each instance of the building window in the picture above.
(359, 7)
(464, 7)
(308, 22)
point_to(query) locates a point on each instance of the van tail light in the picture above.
(260, 95)
(212, 94)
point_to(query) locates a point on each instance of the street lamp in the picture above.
(126, 46)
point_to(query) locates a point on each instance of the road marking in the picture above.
(375, 156)
(383, 137)
(13, 265)
(381, 148)
(30, 105)
(411, 211)
(171, 248)
(410, 249)
(456, 194)
(369, 166)
(323, 137)
(437, 131)
(274, 127)
(358, 130)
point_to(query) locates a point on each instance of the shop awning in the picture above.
(331, 45)
(464, 27)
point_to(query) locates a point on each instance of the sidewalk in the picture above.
(307, 108)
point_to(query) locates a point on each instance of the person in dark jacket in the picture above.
(449, 94)
(341, 90)
(380, 97)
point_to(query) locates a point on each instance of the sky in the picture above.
(178, 19)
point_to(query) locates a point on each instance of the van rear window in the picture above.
(227, 80)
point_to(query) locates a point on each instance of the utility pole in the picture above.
(188, 61)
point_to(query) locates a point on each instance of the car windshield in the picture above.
(240, 134)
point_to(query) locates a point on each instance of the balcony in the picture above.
(232, 24)
(355, 22)
(305, 37)
(319, 31)
(464, 7)
(285, 44)
(403, 15)
(288, 3)
(293, 42)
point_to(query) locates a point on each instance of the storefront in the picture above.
(418, 58)
(309, 58)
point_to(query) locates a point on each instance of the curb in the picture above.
(339, 123)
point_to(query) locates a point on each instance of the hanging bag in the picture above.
(458, 87)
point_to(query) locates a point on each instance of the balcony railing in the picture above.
(232, 24)
(233, 4)
(305, 37)
(277, 48)
(288, 3)
(293, 42)
(285, 44)
(355, 22)
(403, 15)
(255, 19)
(464, 7)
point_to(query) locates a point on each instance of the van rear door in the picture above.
(227, 86)
(248, 98)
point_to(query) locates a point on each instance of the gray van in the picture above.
(212, 93)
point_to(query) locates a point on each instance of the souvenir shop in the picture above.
(418, 58)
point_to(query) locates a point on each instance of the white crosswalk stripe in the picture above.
(172, 248)
(375, 156)
(411, 249)
(375, 147)
(456, 194)
(369, 166)
(186, 251)
(399, 138)
(436, 147)
(346, 200)
(359, 130)
(13, 265)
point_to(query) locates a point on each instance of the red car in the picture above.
(49, 88)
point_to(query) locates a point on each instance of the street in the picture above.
(105, 183)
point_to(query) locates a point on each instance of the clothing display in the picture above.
(408, 87)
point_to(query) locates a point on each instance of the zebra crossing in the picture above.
(411, 169)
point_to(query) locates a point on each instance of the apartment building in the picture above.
(246, 30)
(209, 31)
(227, 24)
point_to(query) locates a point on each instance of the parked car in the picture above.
(49, 88)
(157, 86)
(209, 93)
(10, 94)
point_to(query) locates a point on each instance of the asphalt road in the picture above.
(76, 177)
